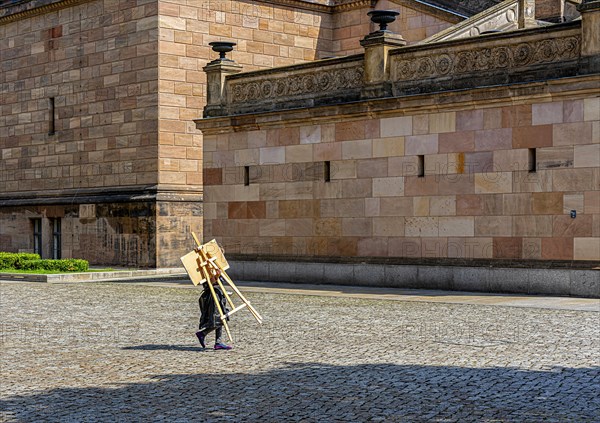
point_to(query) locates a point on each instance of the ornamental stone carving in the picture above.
(487, 58)
(298, 85)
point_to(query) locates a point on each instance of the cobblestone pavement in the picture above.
(127, 353)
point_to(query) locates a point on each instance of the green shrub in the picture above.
(28, 261)
(13, 260)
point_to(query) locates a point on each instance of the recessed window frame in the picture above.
(246, 175)
(37, 235)
(51, 116)
(327, 171)
(532, 160)
(56, 238)
(421, 165)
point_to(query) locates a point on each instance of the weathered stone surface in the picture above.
(139, 359)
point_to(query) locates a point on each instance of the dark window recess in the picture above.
(37, 236)
(51, 116)
(532, 160)
(327, 171)
(55, 33)
(420, 166)
(246, 175)
(56, 239)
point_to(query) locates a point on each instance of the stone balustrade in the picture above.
(492, 59)
(306, 85)
(499, 58)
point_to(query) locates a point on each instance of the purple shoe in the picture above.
(220, 346)
(201, 337)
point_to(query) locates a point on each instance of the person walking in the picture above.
(210, 320)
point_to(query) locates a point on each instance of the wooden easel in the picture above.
(207, 263)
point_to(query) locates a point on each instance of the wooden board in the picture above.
(191, 261)
(213, 250)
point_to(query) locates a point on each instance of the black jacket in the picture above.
(209, 315)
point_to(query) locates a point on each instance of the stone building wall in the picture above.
(267, 35)
(126, 78)
(97, 63)
(476, 197)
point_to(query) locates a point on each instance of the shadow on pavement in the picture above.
(324, 393)
(167, 347)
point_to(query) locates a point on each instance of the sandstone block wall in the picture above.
(98, 62)
(455, 183)
(78, 125)
(126, 81)
(267, 35)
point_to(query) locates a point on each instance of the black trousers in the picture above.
(210, 320)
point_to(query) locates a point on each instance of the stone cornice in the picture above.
(301, 4)
(338, 7)
(351, 5)
(569, 88)
(27, 9)
(16, 11)
(102, 195)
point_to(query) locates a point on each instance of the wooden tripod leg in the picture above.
(196, 239)
(226, 294)
(257, 316)
(217, 303)
(244, 301)
(203, 255)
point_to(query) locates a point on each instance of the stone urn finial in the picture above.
(222, 47)
(216, 75)
(383, 18)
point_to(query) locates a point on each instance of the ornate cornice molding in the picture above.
(15, 12)
(567, 88)
(321, 82)
(352, 5)
(518, 55)
(323, 8)
(25, 9)
(301, 4)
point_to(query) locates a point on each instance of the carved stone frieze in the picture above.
(297, 85)
(498, 57)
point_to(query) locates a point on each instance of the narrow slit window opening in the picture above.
(246, 175)
(56, 239)
(37, 236)
(327, 171)
(420, 166)
(51, 116)
(532, 160)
